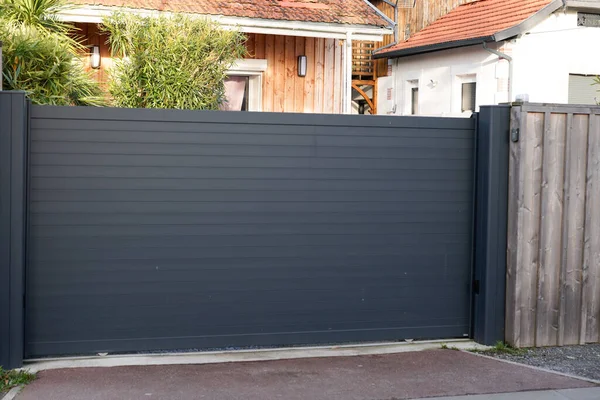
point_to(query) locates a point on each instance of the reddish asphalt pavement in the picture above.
(387, 377)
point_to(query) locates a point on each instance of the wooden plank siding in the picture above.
(412, 20)
(92, 35)
(553, 275)
(283, 90)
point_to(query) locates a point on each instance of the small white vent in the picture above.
(588, 19)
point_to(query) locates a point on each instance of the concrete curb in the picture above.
(581, 378)
(215, 357)
(563, 394)
(12, 393)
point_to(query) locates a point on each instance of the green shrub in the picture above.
(39, 57)
(170, 62)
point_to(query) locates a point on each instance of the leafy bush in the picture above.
(39, 56)
(170, 62)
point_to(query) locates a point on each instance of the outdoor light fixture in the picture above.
(302, 66)
(95, 57)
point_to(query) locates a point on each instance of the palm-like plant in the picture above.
(40, 57)
(40, 14)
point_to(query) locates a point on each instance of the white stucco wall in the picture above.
(551, 51)
(543, 60)
(440, 76)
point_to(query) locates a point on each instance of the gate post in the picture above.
(13, 217)
(491, 218)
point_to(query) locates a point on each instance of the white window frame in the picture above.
(254, 69)
(457, 93)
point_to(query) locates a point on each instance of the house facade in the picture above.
(494, 51)
(272, 77)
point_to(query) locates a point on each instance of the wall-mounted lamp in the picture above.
(95, 58)
(302, 66)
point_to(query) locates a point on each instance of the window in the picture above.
(582, 90)
(588, 19)
(468, 96)
(410, 97)
(414, 101)
(243, 86)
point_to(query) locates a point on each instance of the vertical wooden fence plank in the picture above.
(574, 220)
(269, 76)
(259, 45)
(251, 45)
(279, 83)
(338, 77)
(529, 226)
(319, 74)
(591, 283)
(290, 73)
(299, 82)
(548, 301)
(309, 97)
(512, 317)
(328, 83)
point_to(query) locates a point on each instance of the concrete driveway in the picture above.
(379, 377)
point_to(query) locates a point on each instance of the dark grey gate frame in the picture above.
(13, 198)
(489, 224)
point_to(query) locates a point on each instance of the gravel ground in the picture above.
(575, 360)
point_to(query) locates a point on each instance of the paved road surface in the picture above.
(385, 377)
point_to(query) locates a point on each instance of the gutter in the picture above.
(382, 15)
(95, 14)
(502, 56)
(434, 47)
(394, 24)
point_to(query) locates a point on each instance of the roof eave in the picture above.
(514, 31)
(530, 22)
(433, 47)
(330, 30)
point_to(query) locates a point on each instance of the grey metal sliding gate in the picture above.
(153, 229)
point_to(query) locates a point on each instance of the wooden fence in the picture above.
(553, 277)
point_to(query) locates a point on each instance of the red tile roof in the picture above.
(356, 12)
(479, 19)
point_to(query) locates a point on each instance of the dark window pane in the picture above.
(415, 101)
(236, 92)
(469, 99)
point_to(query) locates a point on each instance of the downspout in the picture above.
(385, 17)
(393, 23)
(502, 56)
